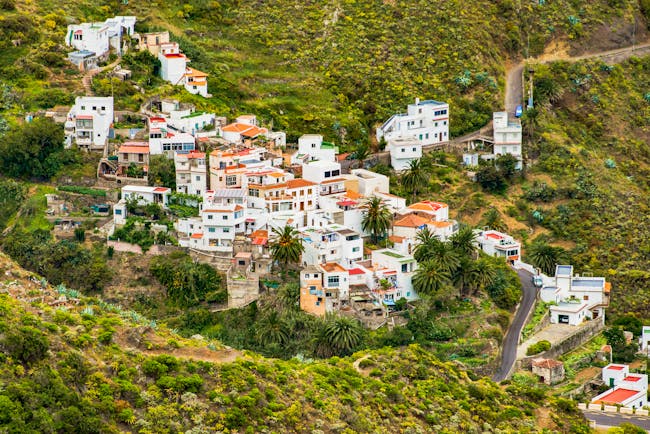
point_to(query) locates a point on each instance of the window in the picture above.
(78, 38)
(585, 297)
(404, 268)
(313, 145)
(103, 108)
(212, 229)
(426, 136)
(94, 108)
(355, 249)
(253, 192)
(231, 180)
(118, 212)
(226, 230)
(403, 149)
(209, 216)
(198, 177)
(333, 281)
(413, 149)
(420, 136)
(328, 174)
(444, 123)
(140, 158)
(336, 172)
(224, 217)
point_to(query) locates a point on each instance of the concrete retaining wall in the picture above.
(582, 335)
(612, 409)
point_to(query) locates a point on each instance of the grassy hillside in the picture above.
(332, 67)
(93, 367)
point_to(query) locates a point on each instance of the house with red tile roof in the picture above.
(627, 390)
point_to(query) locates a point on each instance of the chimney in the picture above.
(417, 101)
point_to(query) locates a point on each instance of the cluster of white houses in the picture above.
(626, 389)
(247, 192)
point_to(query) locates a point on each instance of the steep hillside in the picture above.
(332, 67)
(73, 365)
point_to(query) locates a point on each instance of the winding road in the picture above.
(514, 85)
(511, 339)
(606, 420)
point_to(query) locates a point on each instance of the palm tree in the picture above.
(429, 278)
(466, 275)
(493, 220)
(485, 275)
(377, 218)
(426, 243)
(463, 241)
(271, 329)
(361, 153)
(545, 257)
(415, 177)
(343, 334)
(289, 296)
(287, 246)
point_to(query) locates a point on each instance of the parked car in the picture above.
(519, 111)
(537, 281)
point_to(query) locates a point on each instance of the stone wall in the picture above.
(582, 335)
(156, 249)
(221, 263)
(243, 288)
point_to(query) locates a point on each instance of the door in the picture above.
(563, 319)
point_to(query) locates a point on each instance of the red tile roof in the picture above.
(632, 378)
(197, 235)
(618, 396)
(412, 221)
(616, 367)
(427, 205)
(299, 183)
(355, 271)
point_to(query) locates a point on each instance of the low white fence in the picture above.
(612, 409)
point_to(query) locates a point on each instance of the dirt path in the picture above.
(514, 93)
(357, 362)
(87, 79)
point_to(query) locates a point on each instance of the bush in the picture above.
(83, 190)
(26, 344)
(538, 347)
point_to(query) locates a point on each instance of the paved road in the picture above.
(612, 420)
(514, 91)
(511, 340)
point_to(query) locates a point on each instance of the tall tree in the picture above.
(545, 256)
(376, 219)
(271, 329)
(343, 334)
(415, 178)
(429, 247)
(430, 279)
(466, 276)
(286, 246)
(492, 219)
(361, 153)
(485, 275)
(162, 171)
(463, 241)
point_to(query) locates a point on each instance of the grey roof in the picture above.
(229, 192)
(564, 270)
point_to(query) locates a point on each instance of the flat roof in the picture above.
(615, 367)
(564, 270)
(618, 396)
(632, 378)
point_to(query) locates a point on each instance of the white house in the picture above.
(173, 63)
(333, 243)
(397, 270)
(320, 171)
(91, 37)
(304, 194)
(409, 226)
(196, 82)
(370, 182)
(239, 132)
(167, 143)
(627, 390)
(118, 27)
(191, 172)
(403, 151)
(222, 216)
(89, 122)
(144, 195)
(507, 136)
(644, 339)
(577, 298)
(312, 145)
(267, 189)
(189, 121)
(498, 244)
(425, 121)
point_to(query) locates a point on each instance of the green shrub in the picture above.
(83, 190)
(538, 347)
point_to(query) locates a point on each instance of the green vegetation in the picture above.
(162, 171)
(286, 245)
(95, 192)
(377, 218)
(186, 282)
(138, 230)
(538, 347)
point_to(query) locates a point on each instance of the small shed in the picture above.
(549, 371)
